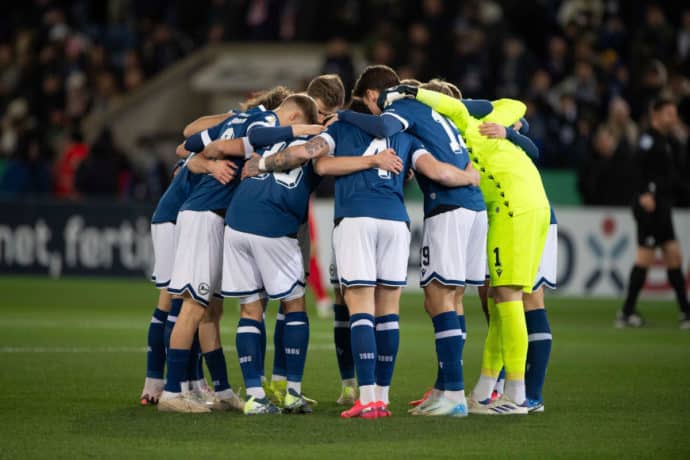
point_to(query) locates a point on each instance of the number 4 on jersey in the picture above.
(376, 146)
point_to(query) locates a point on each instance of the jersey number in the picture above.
(288, 179)
(497, 263)
(376, 146)
(456, 143)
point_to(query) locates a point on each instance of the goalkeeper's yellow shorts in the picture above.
(514, 246)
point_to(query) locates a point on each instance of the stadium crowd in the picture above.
(587, 73)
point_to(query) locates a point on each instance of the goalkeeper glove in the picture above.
(390, 95)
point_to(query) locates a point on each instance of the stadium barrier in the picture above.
(596, 248)
(101, 238)
(106, 238)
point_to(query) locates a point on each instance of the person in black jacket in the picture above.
(652, 210)
(605, 176)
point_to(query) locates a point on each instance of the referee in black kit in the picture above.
(658, 172)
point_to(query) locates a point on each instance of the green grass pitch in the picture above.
(72, 359)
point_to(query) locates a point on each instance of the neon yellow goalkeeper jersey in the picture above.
(509, 178)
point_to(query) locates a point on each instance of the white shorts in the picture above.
(371, 251)
(163, 236)
(546, 275)
(255, 265)
(454, 248)
(198, 255)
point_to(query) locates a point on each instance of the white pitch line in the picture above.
(315, 347)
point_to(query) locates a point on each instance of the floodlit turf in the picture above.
(72, 360)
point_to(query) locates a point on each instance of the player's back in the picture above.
(273, 204)
(372, 192)
(175, 195)
(211, 195)
(442, 139)
(509, 178)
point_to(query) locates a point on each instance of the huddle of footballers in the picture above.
(232, 222)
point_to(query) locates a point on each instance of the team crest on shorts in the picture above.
(203, 288)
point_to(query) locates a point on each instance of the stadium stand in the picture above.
(587, 73)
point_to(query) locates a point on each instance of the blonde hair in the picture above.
(270, 99)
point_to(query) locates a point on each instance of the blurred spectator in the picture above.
(613, 36)
(587, 14)
(582, 85)
(417, 51)
(470, 65)
(683, 43)
(557, 63)
(653, 80)
(105, 172)
(339, 61)
(66, 166)
(655, 38)
(515, 69)
(620, 125)
(605, 178)
(62, 61)
(566, 142)
(27, 169)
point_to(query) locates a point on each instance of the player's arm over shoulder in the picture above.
(444, 173)
(204, 122)
(445, 105)
(506, 112)
(387, 160)
(289, 158)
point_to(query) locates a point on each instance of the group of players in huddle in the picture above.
(233, 224)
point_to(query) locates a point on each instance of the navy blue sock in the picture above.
(295, 343)
(363, 347)
(215, 361)
(248, 342)
(438, 385)
(449, 349)
(279, 366)
(262, 347)
(463, 326)
(175, 307)
(538, 352)
(341, 338)
(178, 360)
(387, 344)
(155, 351)
(194, 370)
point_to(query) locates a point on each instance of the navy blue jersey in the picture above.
(273, 204)
(372, 192)
(441, 138)
(209, 194)
(177, 192)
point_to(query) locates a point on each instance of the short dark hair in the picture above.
(659, 103)
(376, 77)
(269, 99)
(358, 105)
(306, 105)
(329, 88)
